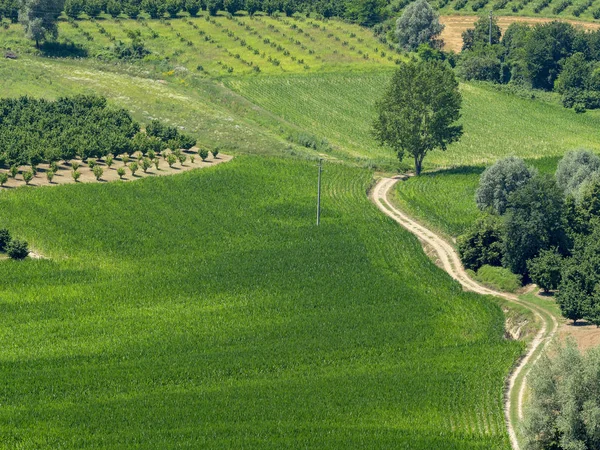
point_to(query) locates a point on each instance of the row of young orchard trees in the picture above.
(544, 228)
(33, 131)
(364, 12)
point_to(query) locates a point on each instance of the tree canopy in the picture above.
(419, 24)
(39, 17)
(419, 110)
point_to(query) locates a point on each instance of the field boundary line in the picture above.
(515, 385)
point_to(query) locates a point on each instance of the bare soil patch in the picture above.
(63, 175)
(456, 25)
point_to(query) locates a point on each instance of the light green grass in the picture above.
(498, 278)
(445, 199)
(284, 45)
(207, 310)
(496, 124)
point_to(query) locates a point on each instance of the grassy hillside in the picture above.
(206, 309)
(445, 199)
(220, 46)
(496, 124)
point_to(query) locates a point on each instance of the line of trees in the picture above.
(544, 228)
(33, 131)
(364, 12)
(553, 56)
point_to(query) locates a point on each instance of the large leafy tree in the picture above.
(534, 222)
(480, 35)
(419, 24)
(419, 110)
(39, 17)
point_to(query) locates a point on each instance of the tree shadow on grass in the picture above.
(63, 50)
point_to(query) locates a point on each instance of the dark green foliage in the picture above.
(534, 222)
(193, 7)
(73, 8)
(155, 8)
(203, 153)
(4, 239)
(498, 181)
(114, 8)
(39, 17)
(419, 110)
(233, 6)
(545, 269)
(17, 249)
(214, 6)
(93, 8)
(173, 7)
(162, 131)
(482, 244)
(481, 64)
(81, 126)
(366, 12)
(480, 35)
(135, 49)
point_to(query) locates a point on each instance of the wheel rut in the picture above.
(450, 261)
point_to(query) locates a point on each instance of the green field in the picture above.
(445, 199)
(206, 309)
(496, 124)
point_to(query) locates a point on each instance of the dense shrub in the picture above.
(534, 222)
(499, 181)
(482, 64)
(17, 249)
(4, 239)
(545, 269)
(482, 244)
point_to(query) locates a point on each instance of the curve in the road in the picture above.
(451, 263)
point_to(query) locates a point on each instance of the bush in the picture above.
(575, 168)
(480, 65)
(146, 164)
(121, 172)
(3, 178)
(98, 171)
(545, 269)
(482, 244)
(133, 167)
(4, 239)
(215, 153)
(203, 154)
(17, 249)
(182, 158)
(171, 159)
(28, 176)
(50, 176)
(499, 181)
(109, 161)
(14, 170)
(91, 163)
(76, 174)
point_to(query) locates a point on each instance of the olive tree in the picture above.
(498, 181)
(40, 17)
(419, 110)
(563, 411)
(419, 24)
(575, 168)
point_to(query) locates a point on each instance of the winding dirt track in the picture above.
(451, 263)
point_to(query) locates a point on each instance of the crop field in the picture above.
(220, 46)
(206, 309)
(496, 124)
(445, 199)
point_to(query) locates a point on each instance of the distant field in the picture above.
(340, 107)
(219, 46)
(207, 310)
(455, 25)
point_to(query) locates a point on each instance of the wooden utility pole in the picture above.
(491, 16)
(319, 193)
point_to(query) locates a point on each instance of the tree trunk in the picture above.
(418, 164)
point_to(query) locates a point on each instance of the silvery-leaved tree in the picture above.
(419, 24)
(39, 17)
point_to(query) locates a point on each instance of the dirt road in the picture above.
(455, 25)
(450, 261)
